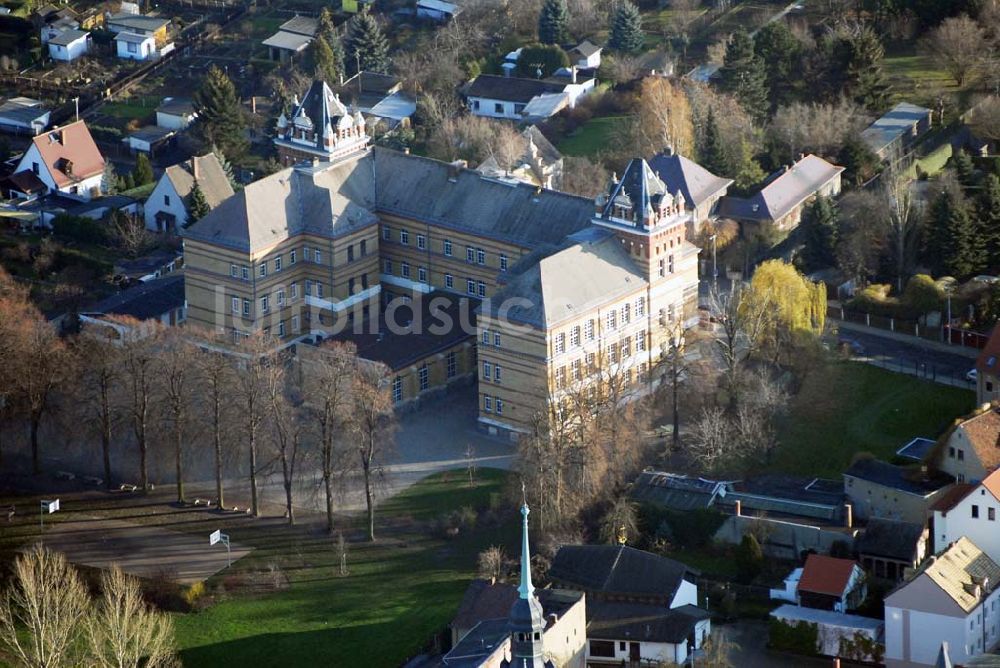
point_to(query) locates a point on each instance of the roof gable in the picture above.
(617, 569)
(827, 575)
(211, 179)
(69, 153)
(679, 173)
(989, 359)
(511, 89)
(959, 569)
(982, 431)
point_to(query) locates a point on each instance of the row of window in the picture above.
(492, 404)
(489, 335)
(423, 376)
(492, 371)
(472, 287)
(991, 513)
(243, 306)
(314, 255)
(293, 327)
(613, 318)
(472, 255)
(578, 368)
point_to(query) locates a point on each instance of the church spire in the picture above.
(527, 619)
(526, 589)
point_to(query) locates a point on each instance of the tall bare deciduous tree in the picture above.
(47, 363)
(16, 318)
(177, 374)
(287, 419)
(744, 319)
(123, 631)
(328, 398)
(42, 611)
(373, 426)
(216, 378)
(257, 355)
(664, 118)
(958, 45)
(902, 216)
(140, 343)
(99, 389)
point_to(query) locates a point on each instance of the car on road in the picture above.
(972, 376)
(850, 346)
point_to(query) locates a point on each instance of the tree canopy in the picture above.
(367, 47)
(220, 116)
(544, 58)
(553, 22)
(743, 74)
(626, 28)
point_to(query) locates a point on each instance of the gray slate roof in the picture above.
(644, 623)
(617, 569)
(891, 539)
(302, 25)
(639, 189)
(586, 48)
(289, 41)
(895, 477)
(899, 120)
(151, 299)
(511, 89)
(67, 37)
(676, 492)
(212, 179)
(176, 106)
(694, 181)
(784, 192)
(138, 22)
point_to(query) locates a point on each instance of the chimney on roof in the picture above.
(572, 71)
(739, 508)
(848, 515)
(194, 167)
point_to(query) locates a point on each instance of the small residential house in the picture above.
(149, 139)
(784, 196)
(518, 99)
(628, 590)
(137, 24)
(437, 10)
(57, 26)
(953, 598)
(292, 38)
(23, 116)
(969, 449)
(701, 189)
(69, 45)
(166, 208)
(887, 549)
(971, 512)
(988, 370)
(897, 130)
(66, 160)
(132, 46)
(829, 583)
(175, 113)
(586, 55)
(879, 489)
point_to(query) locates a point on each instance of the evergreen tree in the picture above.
(777, 46)
(626, 28)
(988, 219)
(866, 79)
(197, 205)
(220, 116)
(328, 32)
(964, 168)
(109, 180)
(713, 156)
(747, 172)
(743, 74)
(540, 60)
(860, 163)
(367, 47)
(143, 172)
(553, 22)
(324, 68)
(819, 230)
(227, 168)
(951, 246)
(749, 559)
(126, 183)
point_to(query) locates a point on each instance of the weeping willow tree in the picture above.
(797, 305)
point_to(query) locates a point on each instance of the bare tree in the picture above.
(672, 367)
(42, 611)
(130, 233)
(957, 44)
(285, 405)
(744, 318)
(621, 521)
(821, 128)
(664, 118)
(257, 354)
(328, 398)
(139, 350)
(125, 632)
(584, 177)
(100, 384)
(984, 118)
(177, 373)
(215, 371)
(902, 216)
(47, 363)
(373, 426)
(710, 442)
(492, 561)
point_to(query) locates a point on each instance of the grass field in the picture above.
(591, 137)
(399, 591)
(850, 407)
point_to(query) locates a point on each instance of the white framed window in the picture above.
(245, 272)
(482, 289)
(234, 271)
(424, 377)
(449, 281)
(486, 337)
(309, 288)
(503, 262)
(404, 237)
(447, 247)
(640, 307)
(236, 305)
(612, 319)
(497, 373)
(422, 274)
(421, 242)
(480, 256)
(560, 343)
(626, 314)
(281, 329)
(295, 324)
(626, 347)
(246, 307)
(487, 403)
(280, 298)
(588, 328)
(386, 266)
(386, 233)
(294, 290)
(662, 267)
(264, 304)
(470, 254)
(318, 256)
(487, 370)
(397, 389)
(574, 337)
(470, 286)
(404, 269)
(452, 364)
(277, 263)
(496, 339)
(499, 406)
(612, 353)
(319, 289)
(262, 269)
(561, 377)
(291, 256)
(640, 340)
(577, 370)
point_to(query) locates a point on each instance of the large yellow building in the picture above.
(340, 240)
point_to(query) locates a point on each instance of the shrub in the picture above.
(79, 228)
(922, 295)
(801, 638)
(749, 559)
(545, 57)
(193, 593)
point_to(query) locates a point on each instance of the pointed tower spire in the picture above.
(525, 589)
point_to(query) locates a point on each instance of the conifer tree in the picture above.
(713, 156)
(780, 49)
(747, 172)
(367, 47)
(866, 79)
(950, 243)
(333, 55)
(322, 61)
(197, 205)
(553, 22)
(220, 116)
(109, 180)
(143, 172)
(964, 168)
(227, 168)
(626, 28)
(819, 227)
(988, 214)
(743, 74)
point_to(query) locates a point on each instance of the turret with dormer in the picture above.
(649, 220)
(320, 127)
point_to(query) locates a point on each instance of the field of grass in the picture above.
(915, 78)
(849, 407)
(398, 593)
(592, 137)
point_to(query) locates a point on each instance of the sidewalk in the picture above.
(971, 353)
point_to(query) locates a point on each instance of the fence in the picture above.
(910, 327)
(936, 373)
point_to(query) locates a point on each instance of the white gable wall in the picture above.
(80, 190)
(981, 530)
(687, 594)
(164, 198)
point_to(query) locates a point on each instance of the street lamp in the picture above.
(715, 268)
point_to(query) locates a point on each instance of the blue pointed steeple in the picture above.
(526, 589)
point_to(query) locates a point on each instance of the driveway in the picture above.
(750, 638)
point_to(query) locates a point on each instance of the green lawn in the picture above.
(849, 407)
(399, 592)
(592, 137)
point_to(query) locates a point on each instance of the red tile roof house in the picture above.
(828, 583)
(66, 160)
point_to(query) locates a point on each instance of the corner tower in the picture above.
(320, 127)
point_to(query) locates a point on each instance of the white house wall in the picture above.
(69, 52)
(958, 522)
(687, 594)
(156, 204)
(32, 157)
